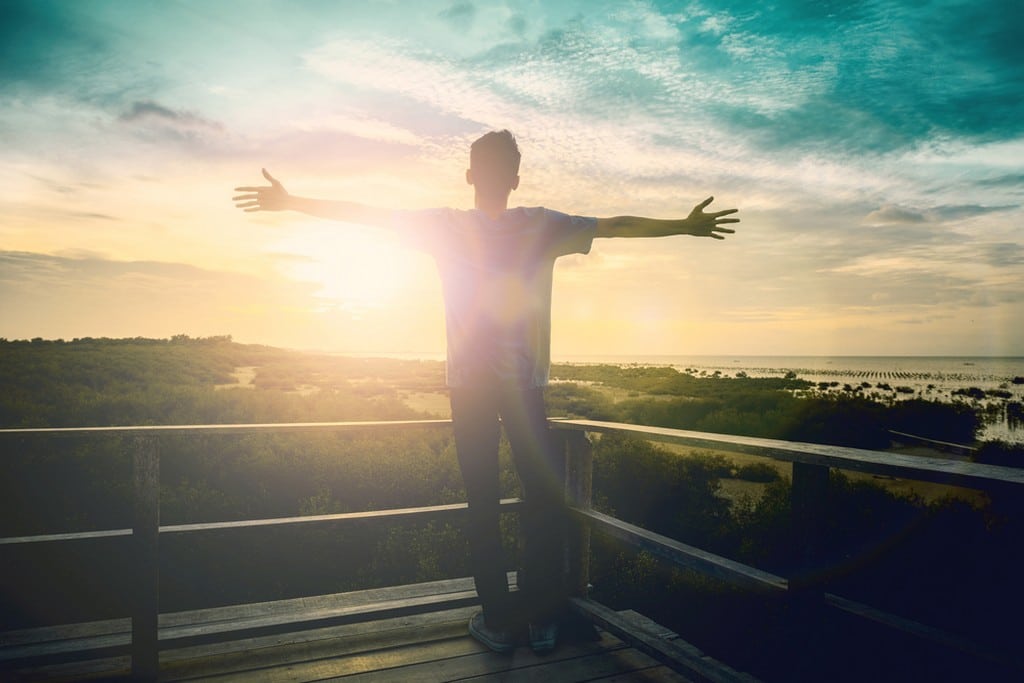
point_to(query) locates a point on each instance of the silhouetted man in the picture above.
(496, 266)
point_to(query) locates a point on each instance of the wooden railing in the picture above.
(811, 464)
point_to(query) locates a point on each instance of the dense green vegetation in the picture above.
(941, 562)
(766, 407)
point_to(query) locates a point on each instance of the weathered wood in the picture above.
(113, 636)
(808, 500)
(570, 662)
(673, 651)
(275, 427)
(259, 625)
(918, 467)
(579, 466)
(433, 646)
(682, 554)
(146, 548)
(71, 536)
(429, 513)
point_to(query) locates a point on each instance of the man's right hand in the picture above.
(271, 197)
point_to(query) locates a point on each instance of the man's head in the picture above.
(494, 164)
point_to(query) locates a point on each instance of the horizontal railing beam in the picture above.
(276, 427)
(917, 467)
(396, 514)
(681, 554)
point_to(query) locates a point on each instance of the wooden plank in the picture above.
(658, 674)
(42, 634)
(276, 427)
(918, 467)
(305, 604)
(71, 536)
(334, 641)
(203, 661)
(113, 637)
(682, 554)
(626, 664)
(108, 669)
(335, 651)
(396, 514)
(424, 666)
(190, 634)
(675, 652)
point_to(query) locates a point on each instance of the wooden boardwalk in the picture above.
(429, 646)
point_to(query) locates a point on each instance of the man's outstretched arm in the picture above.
(274, 197)
(697, 223)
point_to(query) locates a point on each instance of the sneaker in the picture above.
(499, 640)
(543, 637)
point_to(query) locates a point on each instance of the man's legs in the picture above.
(475, 423)
(541, 474)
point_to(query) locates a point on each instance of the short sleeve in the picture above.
(569, 234)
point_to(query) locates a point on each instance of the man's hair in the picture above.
(495, 151)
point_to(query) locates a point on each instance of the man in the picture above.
(496, 266)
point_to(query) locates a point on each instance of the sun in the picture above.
(351, 267)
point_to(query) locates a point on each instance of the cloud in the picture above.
(1010, 180)
(1004, 255)
(891, 214)
(459, 15)
(152, 117)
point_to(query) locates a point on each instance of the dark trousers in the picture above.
(541, 471)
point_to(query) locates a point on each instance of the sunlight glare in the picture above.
(354, 268)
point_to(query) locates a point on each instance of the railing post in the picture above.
(808, 501)
(579, 470)
(145, 547)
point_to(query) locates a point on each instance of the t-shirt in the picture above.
(496, 279)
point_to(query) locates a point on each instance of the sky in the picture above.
(875, 151)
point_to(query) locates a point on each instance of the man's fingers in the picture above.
(272, 179)
(726, 212)
(705, 202)
(727, 220)
(243, 197)
(250, 188)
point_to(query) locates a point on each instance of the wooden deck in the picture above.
(428, 646)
